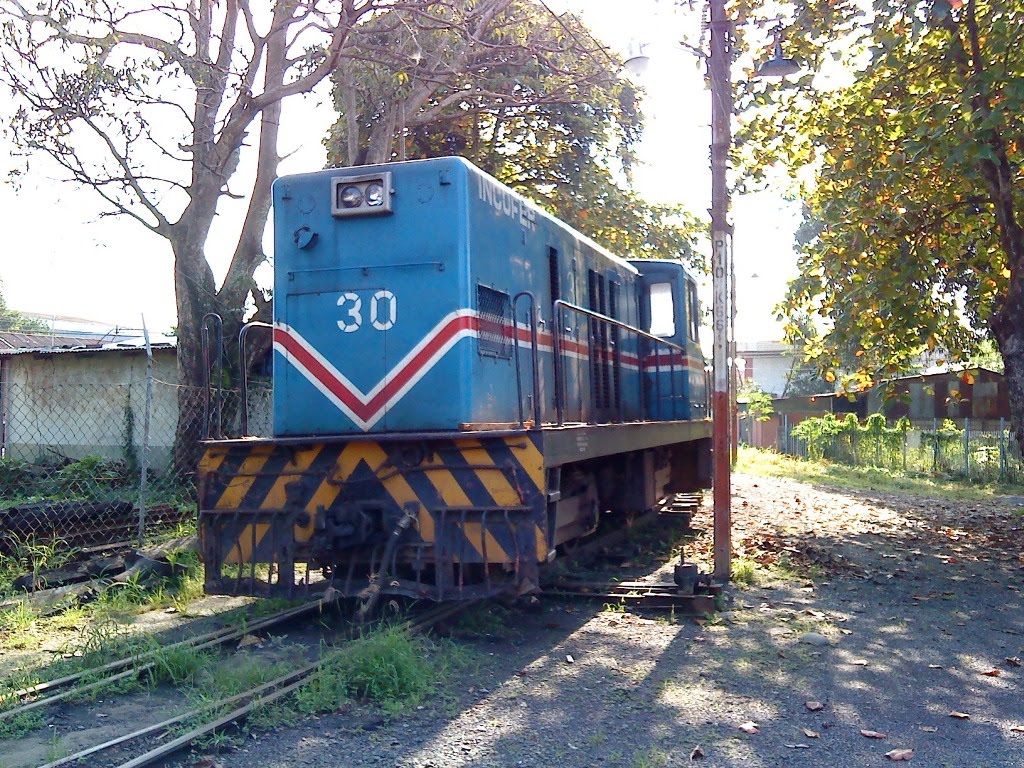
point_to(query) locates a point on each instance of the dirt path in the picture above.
(920, 603)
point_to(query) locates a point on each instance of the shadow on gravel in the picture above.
(918, 607)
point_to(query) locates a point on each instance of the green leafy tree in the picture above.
(760, 404)
(529, 97)
(12, 320)
(917, 165)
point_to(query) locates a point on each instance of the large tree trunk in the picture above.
(195, 290)
(1010, 337)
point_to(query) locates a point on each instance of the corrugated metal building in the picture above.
(977, 394)
(71, 400)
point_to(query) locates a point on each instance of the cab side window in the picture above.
(694, 307)
(663, 310)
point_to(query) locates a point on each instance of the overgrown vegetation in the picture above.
(846, 439)
(767, 463)
(90, 478)
(388, 667)
(23, 627)
(946, 450)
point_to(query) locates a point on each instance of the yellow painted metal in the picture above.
(443, 478)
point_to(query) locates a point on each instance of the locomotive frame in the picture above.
(459, 480)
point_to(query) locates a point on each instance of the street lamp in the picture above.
(778, 65)
(724, 297)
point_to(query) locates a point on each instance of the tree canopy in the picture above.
(530, 98)
(913, 240)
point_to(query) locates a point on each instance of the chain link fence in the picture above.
(89, 464)
(943, 449)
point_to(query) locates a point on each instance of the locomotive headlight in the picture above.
(371, 194)
(351, 197)
(375, 194)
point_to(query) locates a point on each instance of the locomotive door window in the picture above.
(616, 383)
(692, 309)
(599, 349)
(663, 311)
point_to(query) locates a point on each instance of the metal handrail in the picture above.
(244, 371)
(561, 304)
(217, 323)
(534, 354)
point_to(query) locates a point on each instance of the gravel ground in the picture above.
(918, 602)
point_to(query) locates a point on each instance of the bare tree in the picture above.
(150, 107)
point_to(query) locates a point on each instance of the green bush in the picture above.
(15, 478)
(91, 477)
(846, 440)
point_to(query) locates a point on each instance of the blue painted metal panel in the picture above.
(365, 311)
(401, 322)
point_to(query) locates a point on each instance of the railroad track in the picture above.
(71, 686)
(244, 703)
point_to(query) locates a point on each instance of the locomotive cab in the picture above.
(676, 383)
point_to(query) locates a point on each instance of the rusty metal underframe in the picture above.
(661, 596)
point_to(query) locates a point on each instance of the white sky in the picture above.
(61, 257)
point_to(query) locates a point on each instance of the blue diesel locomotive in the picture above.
(462, 385)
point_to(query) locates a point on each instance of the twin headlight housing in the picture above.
(366, 195)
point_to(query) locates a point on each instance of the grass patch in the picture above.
(744, 572)
(20, 724)
(484, 620)
(388, 667)
(21, 627)
(650, 758)
(767, 463)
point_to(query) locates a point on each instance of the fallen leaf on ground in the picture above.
(749, 727)
(959, 715)
(900, 754)
(696, 753)
(814, 706)
(873, 734)
(809, 733)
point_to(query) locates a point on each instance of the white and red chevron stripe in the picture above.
(366, 409)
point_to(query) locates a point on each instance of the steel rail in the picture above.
(200, 642)
(279, 687)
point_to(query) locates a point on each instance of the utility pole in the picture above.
(721, 255)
